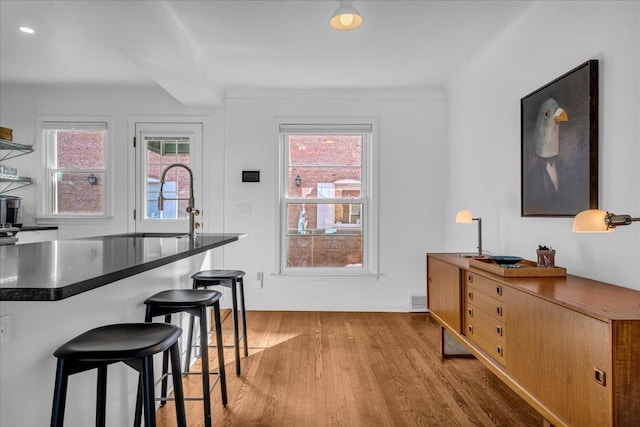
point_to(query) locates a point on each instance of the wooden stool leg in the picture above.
(220, 348)
(244, 318)
(101, 397)
(165, 369)
(189, 345)
(59, 395)
(148, 393)
(234, 316)
(137, 419)
(177, 385)
(204, 359)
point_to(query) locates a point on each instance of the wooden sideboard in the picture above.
(569, 346)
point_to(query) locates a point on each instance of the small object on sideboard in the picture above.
(524, 268)
(6, 134)
(546, 257)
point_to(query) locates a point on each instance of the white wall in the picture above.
(412, 143)
(412, 165)
(20, 107)
(551, 39)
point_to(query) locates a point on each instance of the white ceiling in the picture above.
(196, 50)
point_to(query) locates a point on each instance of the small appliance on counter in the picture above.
(8, 235)
(9, 210)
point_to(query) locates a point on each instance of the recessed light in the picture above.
(27, 30)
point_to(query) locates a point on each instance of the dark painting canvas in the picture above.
(560, 145)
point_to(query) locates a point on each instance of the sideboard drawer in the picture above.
(487, 286)
(485, 331)
(492, 306)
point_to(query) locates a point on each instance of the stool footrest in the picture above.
(170, 399)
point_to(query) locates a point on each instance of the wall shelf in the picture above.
(11, 182)
(14, 149)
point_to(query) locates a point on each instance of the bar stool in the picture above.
(195, 303)
(131, 343)
(231, 279)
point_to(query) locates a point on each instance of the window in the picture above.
(326, 199)
(161, 152)
(76, 168)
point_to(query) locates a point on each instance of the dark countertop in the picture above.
(38, 227)
(51, 271)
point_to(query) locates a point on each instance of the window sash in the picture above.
(365, 131)
(49, 130)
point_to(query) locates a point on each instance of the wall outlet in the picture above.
(5, 329)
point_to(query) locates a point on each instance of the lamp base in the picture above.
(472, 256)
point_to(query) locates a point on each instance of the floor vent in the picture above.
(417, 303)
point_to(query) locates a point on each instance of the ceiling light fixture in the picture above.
(599, 221)
(346, 17)
(26, 30)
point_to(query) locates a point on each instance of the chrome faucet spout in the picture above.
(191, 210)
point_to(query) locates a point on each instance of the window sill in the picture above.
(314, 275)
(73, 220)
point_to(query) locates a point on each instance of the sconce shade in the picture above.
(464, 217)
(298, 180)
(599, 221)
(93, 180)
(346, 17)
(591, 221)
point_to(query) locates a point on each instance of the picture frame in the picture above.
(559, 145)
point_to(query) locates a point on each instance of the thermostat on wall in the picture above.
(250, 176)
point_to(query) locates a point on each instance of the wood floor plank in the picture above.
(353, 369)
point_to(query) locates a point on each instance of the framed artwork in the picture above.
(559, 152)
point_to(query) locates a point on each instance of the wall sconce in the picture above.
(346, 17)
(298, 180)
(465, 217)
(93, 180)
(599, 221)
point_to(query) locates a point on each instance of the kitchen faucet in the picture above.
(191, 210)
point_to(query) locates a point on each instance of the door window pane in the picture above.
(162, 152)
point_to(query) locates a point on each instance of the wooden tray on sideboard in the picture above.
(525, 268)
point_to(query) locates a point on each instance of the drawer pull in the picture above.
(470, 278)
(499, 290)
(499, 330)
(471, 329)
(600, 376)
(470, 311)
(499, 310)
(470, 295)
(499, 350)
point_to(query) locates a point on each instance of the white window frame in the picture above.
(46, 214)
(367, 127)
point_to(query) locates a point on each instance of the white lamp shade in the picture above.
(591, 221)
(346, 17)
(464, 217)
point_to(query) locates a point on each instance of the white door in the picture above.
(158, 146)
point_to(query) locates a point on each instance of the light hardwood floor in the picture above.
(353, 369)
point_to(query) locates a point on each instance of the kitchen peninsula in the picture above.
(53, 291)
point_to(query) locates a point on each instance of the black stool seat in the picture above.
(119, 342)
(218, 277)
(175, 300)
(194, 302)
(231, 279)
(131, 343)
